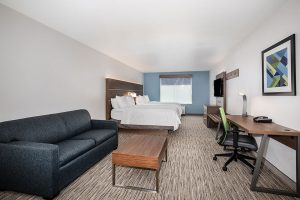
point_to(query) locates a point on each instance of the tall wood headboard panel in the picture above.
(222, 75)
(119, 88)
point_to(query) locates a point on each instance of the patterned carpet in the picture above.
(190, 173)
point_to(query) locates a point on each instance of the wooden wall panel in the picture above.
(233, 74)
(119, 88)
(222, 75)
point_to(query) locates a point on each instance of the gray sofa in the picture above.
(42, 155)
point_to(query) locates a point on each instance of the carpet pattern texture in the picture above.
(190, 173)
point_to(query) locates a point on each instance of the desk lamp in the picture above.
(244, 104)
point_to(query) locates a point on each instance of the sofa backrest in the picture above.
(47, 128)
(76, 121)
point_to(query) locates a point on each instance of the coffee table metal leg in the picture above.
(157, 180)
(133, 187)
(166, 154)
(113, 174)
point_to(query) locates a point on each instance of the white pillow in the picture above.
(137, 100)
(130, 100)
(114, 103)
(140, 100)
(122, 101)
(146, 98)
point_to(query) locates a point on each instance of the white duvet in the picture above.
(149, 114)
(167, 104)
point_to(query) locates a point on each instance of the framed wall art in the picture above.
(279, 68)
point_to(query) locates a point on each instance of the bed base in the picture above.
(142, 127)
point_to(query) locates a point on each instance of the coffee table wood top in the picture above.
(142, 151)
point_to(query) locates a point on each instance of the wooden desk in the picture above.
(266, 130)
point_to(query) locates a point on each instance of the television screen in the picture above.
(218, 87)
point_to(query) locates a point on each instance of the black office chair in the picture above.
(232, 138)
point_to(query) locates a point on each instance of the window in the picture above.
(176, 89)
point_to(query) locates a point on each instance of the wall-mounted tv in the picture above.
(218, 87)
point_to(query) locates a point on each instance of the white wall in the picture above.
(42, 71)
(247, 57)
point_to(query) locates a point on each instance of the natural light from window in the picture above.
(176, 90)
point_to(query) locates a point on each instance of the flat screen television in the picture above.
(218, 87)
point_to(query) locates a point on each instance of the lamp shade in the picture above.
(133, 94)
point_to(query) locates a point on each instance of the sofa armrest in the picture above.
(104, 124)
(29, 167)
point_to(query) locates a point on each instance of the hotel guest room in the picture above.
(149, 99)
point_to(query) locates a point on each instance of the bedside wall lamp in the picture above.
(244, 114)
(133, 94)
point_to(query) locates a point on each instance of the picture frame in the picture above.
(279, 68)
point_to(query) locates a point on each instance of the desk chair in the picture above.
(231, 137)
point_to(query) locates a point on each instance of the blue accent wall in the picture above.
(200, 89)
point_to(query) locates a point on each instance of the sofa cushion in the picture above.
(76, 122)
(70, 149)
(98, 135)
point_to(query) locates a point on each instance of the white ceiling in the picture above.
(154, 35)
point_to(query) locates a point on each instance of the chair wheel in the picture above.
(224, 169)
(215, 158)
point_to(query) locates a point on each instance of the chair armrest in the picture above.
(235, 134)
(104, 124)
(29, 167)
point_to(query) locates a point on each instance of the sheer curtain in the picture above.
(177, 90)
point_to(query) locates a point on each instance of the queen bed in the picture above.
(150, 115)
(145, 115)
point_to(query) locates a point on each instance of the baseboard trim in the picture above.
(289, 182)
(192, 114)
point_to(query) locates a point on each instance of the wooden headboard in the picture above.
(119, 88)
(222, 76)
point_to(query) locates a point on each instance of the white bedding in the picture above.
(177, 105)
(150, 114)
(173, 107)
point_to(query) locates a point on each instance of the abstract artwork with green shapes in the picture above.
(276, 70)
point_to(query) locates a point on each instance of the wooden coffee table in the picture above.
(143, 152)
